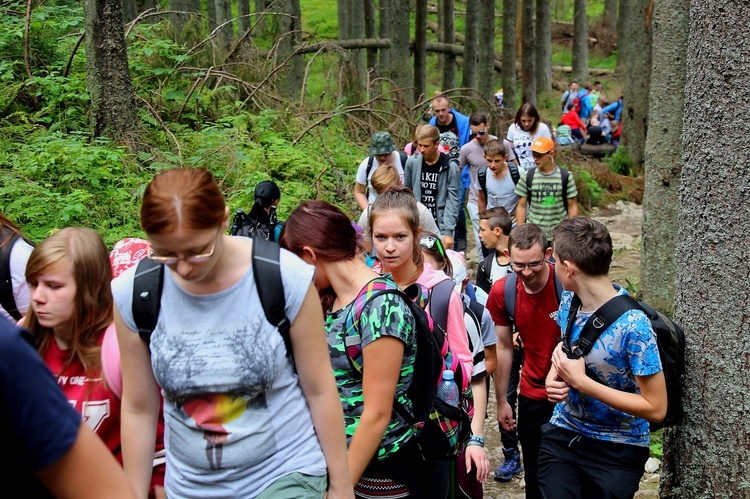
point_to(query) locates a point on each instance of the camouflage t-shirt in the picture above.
(384, 315)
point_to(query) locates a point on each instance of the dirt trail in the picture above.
(624, 223)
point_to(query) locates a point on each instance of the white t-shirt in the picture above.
(522, 140)
(362, 171)
(500, 192)
(19, 255)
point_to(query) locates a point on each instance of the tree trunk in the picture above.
(371, 31)
(211, 11)
(245, 21)
(543, 48)
(345, 18)
(471, 38)
(636, 37)
(420, 50)
(357, 30)
(291, 33)
(609, 16)
(223, 37)
(178, 18)
(510, 10)
(581, 42)
(260, 20)
(129, 10)
(384, 29)
(663, 152)
(528, 55)
(708, 455)
(107, 75)
(400, 58)
(486, 56)
(449, 36)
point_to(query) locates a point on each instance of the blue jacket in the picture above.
(462, 123)
(447, 196)
(615, 108)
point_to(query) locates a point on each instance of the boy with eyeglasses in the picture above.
(547, 193)
(471, 159)
(536, 306)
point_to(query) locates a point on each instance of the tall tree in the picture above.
(291, 36)
(107, 74)
(357, 31)
(420, 49)
(543, 47)
(384, 29)
(243, 12)
(663, 151)
(471, 38)
(707, 455)
(223, 35)
(178, 18)
(371, 31)
(129, 10)
(486, 54)
(635, 47)
(528, 55)
(344, 14)
(510, 11)
(609, 15)
(260, 19)
(400, 58)
(448, 35)
(580, 42)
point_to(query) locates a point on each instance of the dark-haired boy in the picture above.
(599, 433)
(495, 225)
(499, 184)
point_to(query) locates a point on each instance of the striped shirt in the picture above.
(545, 206)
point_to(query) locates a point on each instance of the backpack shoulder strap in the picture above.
(599, 321)
(147, 287)
(367, 174)
(267, 275)
(514, 173)
(7, 300)
(440, 297)
(564, 176)
(529, 180)
(402, 154)
(482, 178)
(509, 292)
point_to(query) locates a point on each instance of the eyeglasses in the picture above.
(481, 133)
(431, 243)
(171, 260)
(518, 267)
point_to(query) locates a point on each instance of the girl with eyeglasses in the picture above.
(70, 318)
(395, 233)
(383, 453)
(240, 420)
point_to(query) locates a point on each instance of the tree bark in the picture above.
(211, 14)
(260, 20)
(357, 30)
(107, 74)
(244, 22)
(543, 48)
(291, 33)
(528, 55)
(384, 29)
(636, 36)
(420, 50)
(707, 455)
(371, 31)
(400, 59)
(178, 18)
(223, 36)
(663, 152)
(344, 15)
(129, 10)
(486, 56)
(510, 10)
(609, 15)
(449, 36)
(581, 42)
(471, 39)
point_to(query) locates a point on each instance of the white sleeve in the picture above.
(19, 255)
(361, 177)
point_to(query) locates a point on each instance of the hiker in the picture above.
(382, 151)
(552, 193)
(447, 119)
(472, 464)
(499, 184)
(14, 252)
(267, 196)
(536, 301)
(577, 127)
(395, 232)
(594, 133)
(598, 433)
(411, 147)
(472, 155)
(383, 453)
(614, 109)
(495, 225)
(569, 95)
(69, 276)
(525, 129)
(383, 179)
(584, 105)
(52, 451)
(222, 366)
(434, 180)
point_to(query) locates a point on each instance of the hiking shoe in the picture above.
(510, 467)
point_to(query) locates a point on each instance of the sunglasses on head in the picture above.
(432, 243)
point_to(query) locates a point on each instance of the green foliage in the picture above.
(589, 190)
(619, 162)
(656, 444)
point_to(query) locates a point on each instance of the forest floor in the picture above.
(623, 219)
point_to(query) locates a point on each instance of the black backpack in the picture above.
(401, 154)
(245, 225)
(564, 176)
(149, 280)
(7, 300)
(482, 176)
(670, 338)
(441, 429)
